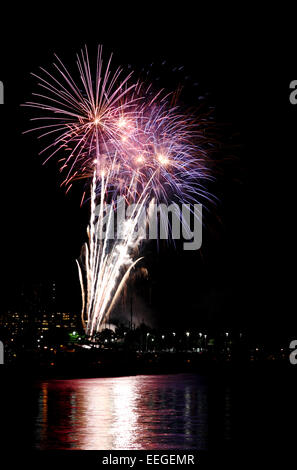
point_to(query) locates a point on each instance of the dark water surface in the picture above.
(182, 411)
(138, 412)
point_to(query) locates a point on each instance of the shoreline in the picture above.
(211, 369)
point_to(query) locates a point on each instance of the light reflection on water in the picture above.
(138, 412)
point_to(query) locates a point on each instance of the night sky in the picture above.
(239, 278)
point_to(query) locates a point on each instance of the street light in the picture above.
(226, 343)
(187, 333)
(205, 342)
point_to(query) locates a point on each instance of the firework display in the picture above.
(127, 141)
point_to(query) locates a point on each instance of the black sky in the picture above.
(239, 277)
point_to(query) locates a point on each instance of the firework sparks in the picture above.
(129, 142)
(82, 119)
(103, 264)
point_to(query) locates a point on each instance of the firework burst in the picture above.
(127, 141)
(83, 119)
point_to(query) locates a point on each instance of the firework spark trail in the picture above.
(104, 265)
(82, 118)
(130, 142)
